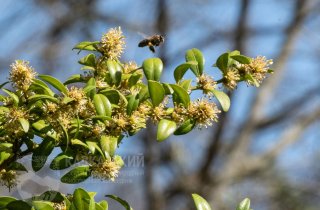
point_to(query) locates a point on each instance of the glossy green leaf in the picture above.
(24, 124)
(223, 99)
(249, 77)
(17, 167)
(3, 84)
(185, 127)
(102, 205)
(91, 82)
(133, 103)
(200, 202)
(241, 59)
(180, 95)
(244, 205)
(13, 96)
(4, 155)
(102, 105)
(134, 78)
(82, 200)
(73, 79)
(165, 129)
(55, 83)
(182, 69)
(89, 46)
(108, 145)
(76, 175)
(50, 195)
(88, 60)
(144, 93)
(186, 84)
(78, 142)
(5, 200)
(124, 203)
(62, 161)
(18, 204)
(93, 147)
(39, 85)
(42, 205)
(196, 56)
(223, 62)
(89, 88)
(152, 68)
(156, 92)
(41, 153)
(38, 97)
(115, 71)
(167, 89)
(5, 146)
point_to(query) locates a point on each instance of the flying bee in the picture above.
(151, 42)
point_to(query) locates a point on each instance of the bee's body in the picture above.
(151, 42)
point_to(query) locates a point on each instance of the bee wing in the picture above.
(143, 34)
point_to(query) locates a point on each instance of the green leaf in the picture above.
(270, 71)
(124, 203)
(86, 45)
(102, 105)
(40, 85)
(62, 161)
(88, 60)
(76, 175)
(73, 79)
(152, 68)
(223, 99)
(241, 59)
(3, 84)
(18, 204)
(91, 82)
(102, 205)
(186, 84)
(5, 200)
(17, 167)
(115, 71)
(144, 93)
(200, 202)
(244, 205)
(249, 77)
(156, 92)
(134, 78)
(38, 97)
(223, 62)
(14, 97)
(82, 200)
(24, 124)
(78, 142)
(185, 127)
(55, 83)
(133, 103)
(5, 146)
(182, 69)
(165, 129)
(196, 55)
(108, 145)
(89, 88)
(4, 156)
(42, 205)
(41, 153)
(93, 147)
(52, 196)
(180, 95)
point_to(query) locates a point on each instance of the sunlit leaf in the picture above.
(152, 68)
(244, 205)
(124, 203)
(182, 69)
(223, 99)
(76, 175)
(200, 202)
(195, 55)
(180, 95)
(156, 92)
(55, 83)
(165, 129)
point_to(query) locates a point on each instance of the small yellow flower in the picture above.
(203, 112)
(8, 178)
(21, 75)
(206, 83)
(112, 43)
(107, 170)
(231, 78)
(130, 67)
(258, 68)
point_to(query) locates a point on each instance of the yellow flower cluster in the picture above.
(112, 43)
(206, 83)
(8, 178)
(21, 75)
(107, 170)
